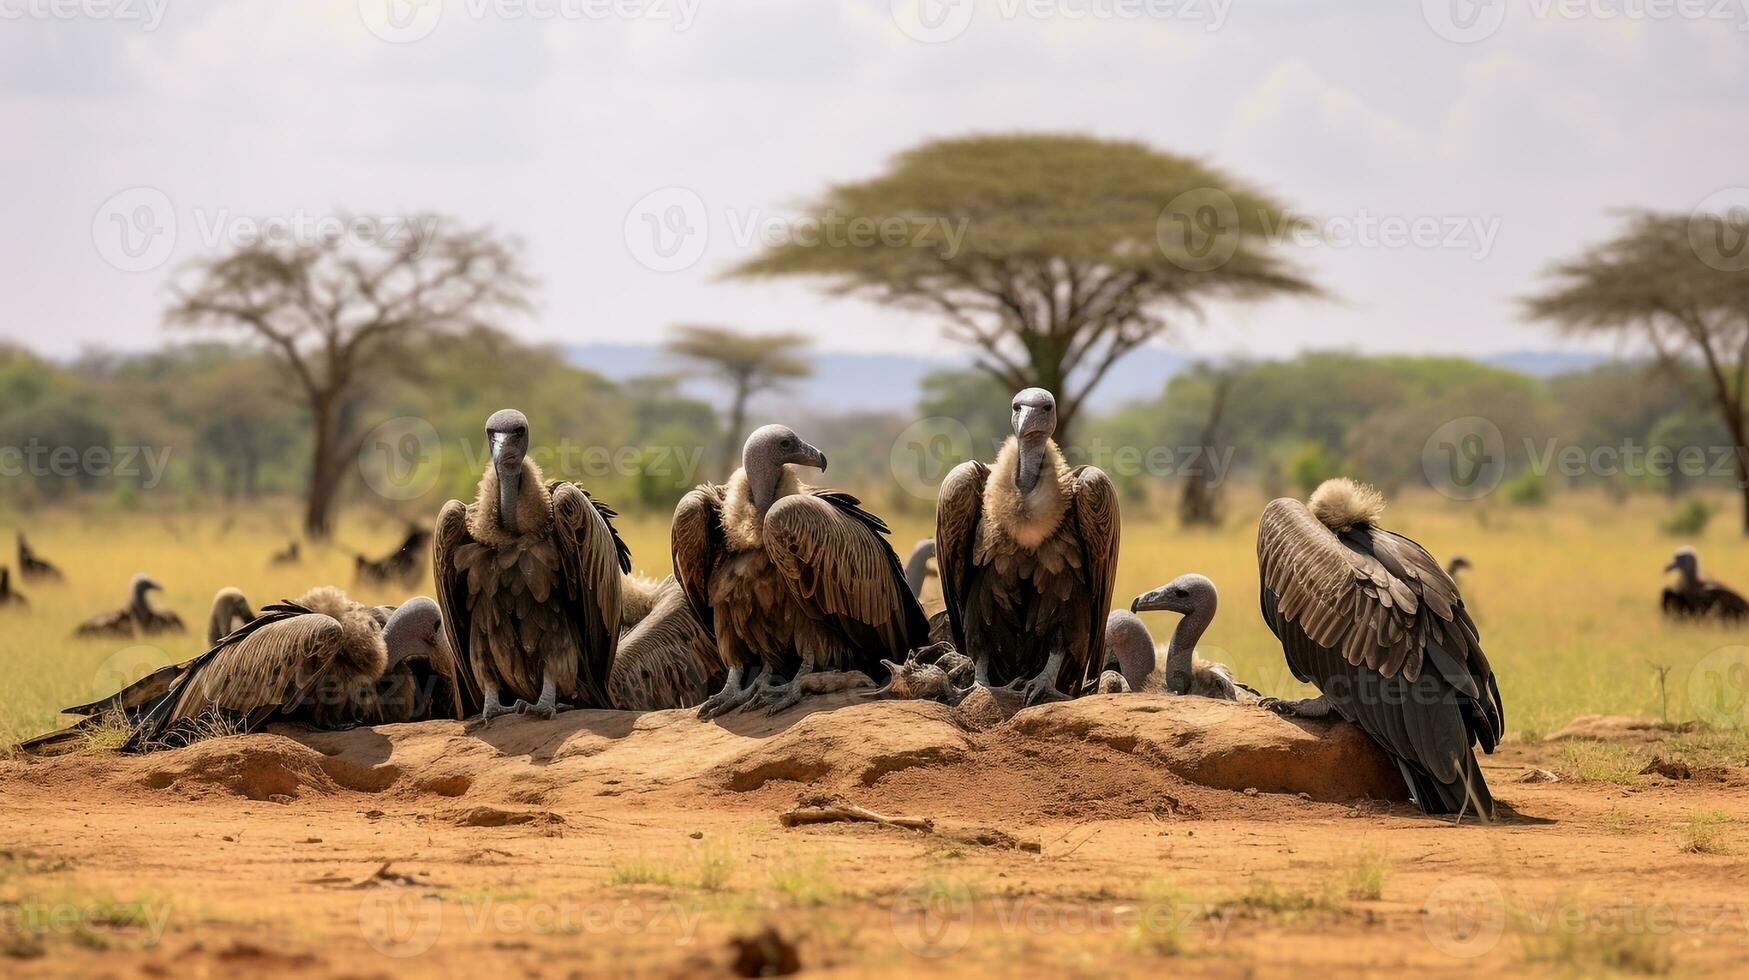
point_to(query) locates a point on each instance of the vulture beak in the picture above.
(1671, 567)
(1154, 601)
(1033, 421)
(813, 457)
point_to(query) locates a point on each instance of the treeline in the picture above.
(216, 420)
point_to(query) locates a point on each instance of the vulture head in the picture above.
(141, 585)
(1685, 561)
(507, 434)
(768, 450)
(1193, 597)
(414, 632)
(1457, 564)
(1035, 421)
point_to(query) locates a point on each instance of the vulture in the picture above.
(230, 613)
(289, 556)
(1177, 669)
(1694, 597)
(402, 566)
(1371, 619)
(32, 568)
(137, 617)
(7, 596)
(1027, 549)
(321, 659)
(665, 658)
(529, 577)
(789, 580)
(1455, 565)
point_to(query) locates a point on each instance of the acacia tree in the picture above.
(747, 363)
(340, 315)
(1673, 282)
(1052, 255)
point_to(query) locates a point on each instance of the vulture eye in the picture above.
(789, 444)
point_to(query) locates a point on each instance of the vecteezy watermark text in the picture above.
(146, 13)
(39, 459)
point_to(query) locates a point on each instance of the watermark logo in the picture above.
(402, 458)
(1465, 459)
(1718, 230)
(668, 229)
(126, 666)
(401, 21)
(1464, 21)
(933, 21)
(399, 923)
(1199, 230)
(933, 919)
(135, 230)
(1464, 917)
(926, 452)
(1718, 686)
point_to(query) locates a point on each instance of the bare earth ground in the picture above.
(1128, 834)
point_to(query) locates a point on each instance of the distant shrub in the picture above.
(1690, 519)
(1310, 465)
(1527, 489)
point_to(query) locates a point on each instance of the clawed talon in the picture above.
(1277, 705)
(1036, 691)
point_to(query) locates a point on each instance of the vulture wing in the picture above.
(836, 559)
(667, 660)
(958, 509)
(452, 598)
(1096, 518)
(589, 572)
(697, 542)
(1363, 615)
(1725, 603)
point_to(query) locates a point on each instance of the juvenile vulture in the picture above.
(32, 568)
(136, 618)
(289, 556)
(320, 660)
(1372, 620)
(7, 596)
(403, 566)
(1028, 554)
(529, 577)
(1694, 597)
(1179, 668)
(789, 579)
(230, 613)
(665, 658)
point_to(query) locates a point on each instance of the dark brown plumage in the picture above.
(403, 566)
(666, 659)
(32, 567)
(789, 579)
(1028, 556)
(1372, 620)
(1697, 597)
(9, 597)
(529, 576)
(137, 618)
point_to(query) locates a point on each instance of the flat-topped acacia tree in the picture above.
(1052, 255)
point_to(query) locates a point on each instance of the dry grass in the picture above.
(1706, 832)
(1565, 595)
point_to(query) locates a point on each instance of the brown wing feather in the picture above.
(696, 539)
(589, 562)
(452, 597)
(958, 509)
(667, 660)
(1096, 517)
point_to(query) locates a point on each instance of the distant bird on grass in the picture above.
(290, 556)
(137, 618)
(32, 567)
(1695, 597)
(403, 566)
(1456, 564)
(230, 613)
(7, 596)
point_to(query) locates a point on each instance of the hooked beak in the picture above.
(1033, 422)
(1154, 601)
(504, 453)
(813, 457)
(1671, 567)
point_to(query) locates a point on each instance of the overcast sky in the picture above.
(139, 134)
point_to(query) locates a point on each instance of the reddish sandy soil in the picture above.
(1126, 835)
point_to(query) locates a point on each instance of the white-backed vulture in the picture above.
(33, 567)
(529, 577)
(137, 618)
(403, 566)
(7, 596)
(230, 613)
(665, 658)
(789, 579)
(1695, 597)
(1178, 667)
(1372, 620)
(1028, 555)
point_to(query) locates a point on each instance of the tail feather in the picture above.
(1466, 794)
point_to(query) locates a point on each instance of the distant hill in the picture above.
(889, 382)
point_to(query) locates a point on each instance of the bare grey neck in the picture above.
(1181, 650)
(1031, 464)
(763, 477)
(509, 492)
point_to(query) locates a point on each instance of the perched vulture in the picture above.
(1694, 597)
(403, 566)
(1028, 556)
(136, 618)
(7, 596)
(790, 579)
(230, 613)
(32, 568)
(665, 658)
(290, 555)
(529, 577)
(1179, 668)
(1372, 620)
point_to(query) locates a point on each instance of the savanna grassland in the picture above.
(1565, 595)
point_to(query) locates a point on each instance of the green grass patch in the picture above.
(1601, 761)
(1365, 879)
(805, 882)
(642, 871)
(1705, 833)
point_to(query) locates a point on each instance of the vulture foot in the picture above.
(1318, 707)
(731, 697)
(547, 706)
(1043, 687)
(493, 708)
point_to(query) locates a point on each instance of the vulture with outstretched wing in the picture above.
(1697, 597)
(33, 567)
(529, 576)
(1028, 555)
(790, 580)
(8, 597)
(1372, 620)
(665, 657)
(138, 617)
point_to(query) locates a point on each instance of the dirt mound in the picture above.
(1622, 728)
